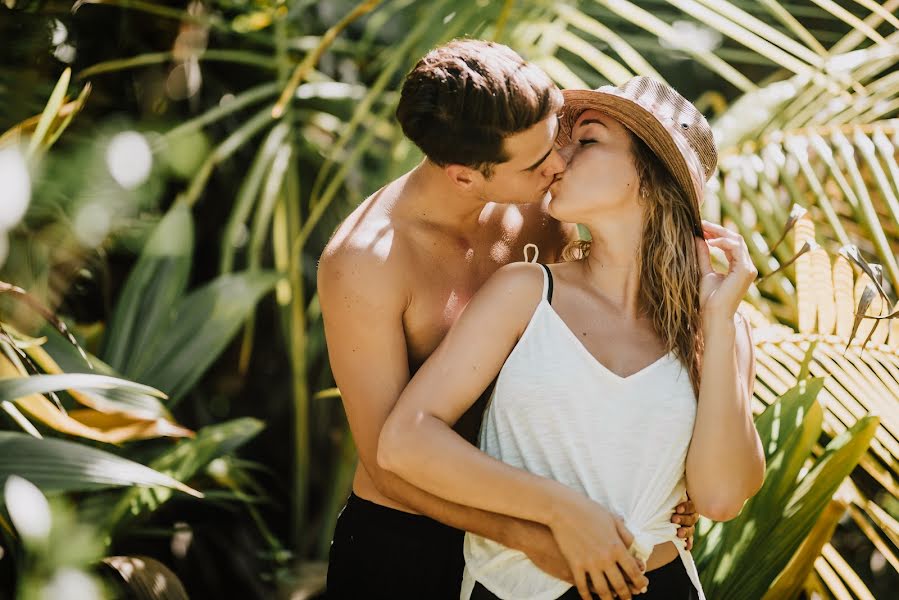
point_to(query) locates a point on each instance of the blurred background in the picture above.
(170, 172)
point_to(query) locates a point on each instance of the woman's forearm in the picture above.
(725, 464)
(425, 451)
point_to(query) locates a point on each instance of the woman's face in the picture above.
(601, 178)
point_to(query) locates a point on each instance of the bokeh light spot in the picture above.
(129, 159)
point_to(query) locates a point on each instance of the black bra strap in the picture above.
(549, 281)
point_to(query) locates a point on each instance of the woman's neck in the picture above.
(613, 265)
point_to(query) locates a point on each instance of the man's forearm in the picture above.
(534, 539)
(508, 531)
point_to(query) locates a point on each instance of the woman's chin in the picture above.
(554, 202)
(552, 208)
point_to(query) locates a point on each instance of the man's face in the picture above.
(533, 165)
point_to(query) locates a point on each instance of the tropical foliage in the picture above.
(249, 129)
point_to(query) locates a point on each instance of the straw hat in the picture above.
(669, 124)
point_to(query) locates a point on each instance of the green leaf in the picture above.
(789, 501)
(66, 355)
(762, 511)
(155, 285)
(248, 193)
(786, 415)
(182, 462)
(201, 326)
(16, 387)
(61, 466)
(50, 111)
(57, 356)
(799, 516)
(807, 361)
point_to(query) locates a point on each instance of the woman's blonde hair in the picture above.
(669, 266)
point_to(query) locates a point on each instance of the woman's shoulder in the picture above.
(524, 279)
(512, 293)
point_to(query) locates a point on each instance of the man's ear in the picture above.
(464, 177)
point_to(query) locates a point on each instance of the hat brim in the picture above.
(645, 125)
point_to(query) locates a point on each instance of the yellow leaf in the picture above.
(49, 366)
(792, 578)
(822, 278)
(123, 428)
(113, 428)
(844, 295)
(805, 284)
(254, 21)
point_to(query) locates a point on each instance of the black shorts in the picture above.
(670, 582)
(382, 553)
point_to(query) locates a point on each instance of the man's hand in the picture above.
(685, 517)
(537, 541)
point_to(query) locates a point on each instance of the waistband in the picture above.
(367, 515)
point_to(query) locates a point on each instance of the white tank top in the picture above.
(558, 412)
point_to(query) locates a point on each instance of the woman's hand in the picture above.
(595, 543)
(720, 293)
(536, 540)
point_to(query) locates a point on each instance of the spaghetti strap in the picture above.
(547, 284)
(547, 275)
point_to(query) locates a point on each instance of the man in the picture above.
(396, 275)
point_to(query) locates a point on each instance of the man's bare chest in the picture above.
(440, 291)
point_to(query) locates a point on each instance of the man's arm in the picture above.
(363, 301)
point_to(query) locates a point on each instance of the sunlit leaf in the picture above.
(57, 466)
(181, 462)
(57, 98)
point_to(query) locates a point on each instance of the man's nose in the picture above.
(557, 162)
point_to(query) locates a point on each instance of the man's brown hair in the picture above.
(464, 98)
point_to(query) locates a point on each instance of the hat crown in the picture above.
(678, 114)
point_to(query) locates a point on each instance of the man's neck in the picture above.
(430, 197)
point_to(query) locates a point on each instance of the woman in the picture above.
(622, 378)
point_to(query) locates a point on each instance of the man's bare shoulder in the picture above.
(366, 251)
